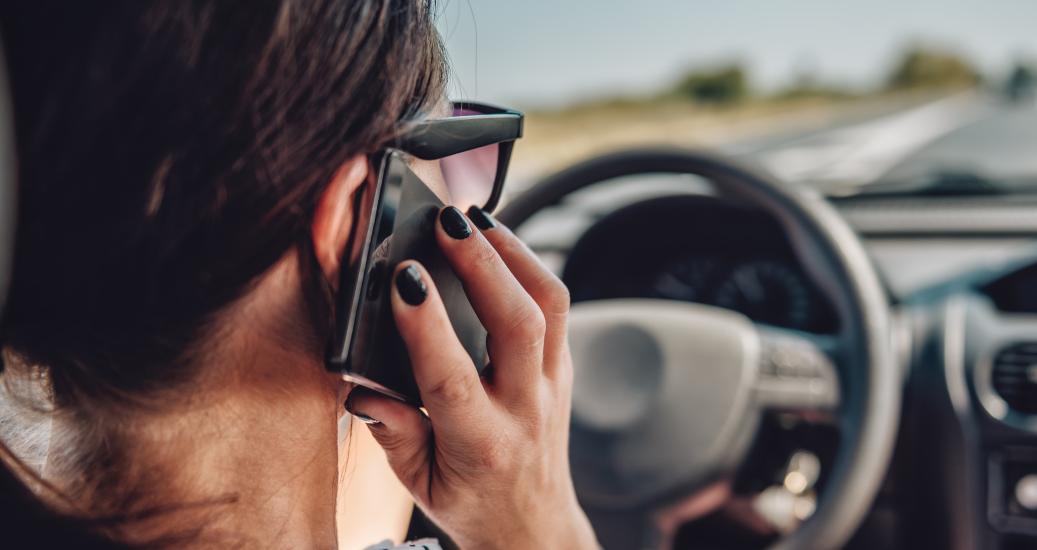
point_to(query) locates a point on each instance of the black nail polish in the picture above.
(480, 218)
(454, 223)
(412, 288)
(365, 419)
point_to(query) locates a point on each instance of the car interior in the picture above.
(948, 450)
(762, 363)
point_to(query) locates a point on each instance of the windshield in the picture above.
(883, 96)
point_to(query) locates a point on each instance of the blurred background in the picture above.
(917, 118)
(833, 94)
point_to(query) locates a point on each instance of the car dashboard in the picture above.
(961, 275)
(696, 249)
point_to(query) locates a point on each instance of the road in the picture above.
(1000, 144)
(837, 149)
(968, 133)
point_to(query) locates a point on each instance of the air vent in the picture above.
(1015, 377)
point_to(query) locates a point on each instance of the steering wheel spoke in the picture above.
(796, 371)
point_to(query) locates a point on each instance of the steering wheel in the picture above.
(669, 395)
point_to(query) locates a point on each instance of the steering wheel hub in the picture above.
(672, 377)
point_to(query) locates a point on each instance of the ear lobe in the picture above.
(333, 219)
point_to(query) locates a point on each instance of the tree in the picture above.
(922, 67)
(721, 86)
(1021, 83)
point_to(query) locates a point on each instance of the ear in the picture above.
(334, 216)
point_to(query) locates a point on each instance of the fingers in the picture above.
(550, 294)
(401, 430)
(449, 384)
(511, 316)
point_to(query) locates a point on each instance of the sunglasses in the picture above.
(473, 147)
(471, 151)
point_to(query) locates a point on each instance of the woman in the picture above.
(187, 176)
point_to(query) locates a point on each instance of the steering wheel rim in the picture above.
(871, 405)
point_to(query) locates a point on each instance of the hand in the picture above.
(489, 464)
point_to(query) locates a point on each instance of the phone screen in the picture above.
(368, 349)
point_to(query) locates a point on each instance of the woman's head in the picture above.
(180, 165)
(170, 153)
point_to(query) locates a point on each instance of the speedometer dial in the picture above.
(685, 280)
(767, 292)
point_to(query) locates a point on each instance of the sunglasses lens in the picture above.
(469, 176)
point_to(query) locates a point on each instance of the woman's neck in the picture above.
(250, 456)
(257, 467)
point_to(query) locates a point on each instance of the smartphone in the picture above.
(366, 347)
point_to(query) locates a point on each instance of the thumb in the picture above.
(402, 431)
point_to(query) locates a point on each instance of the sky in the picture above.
(542, 53)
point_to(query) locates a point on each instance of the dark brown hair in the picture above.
(170, 152)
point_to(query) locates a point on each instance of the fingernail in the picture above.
(480, 218)
(365, 419)
(410, 285)
(454, 223)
